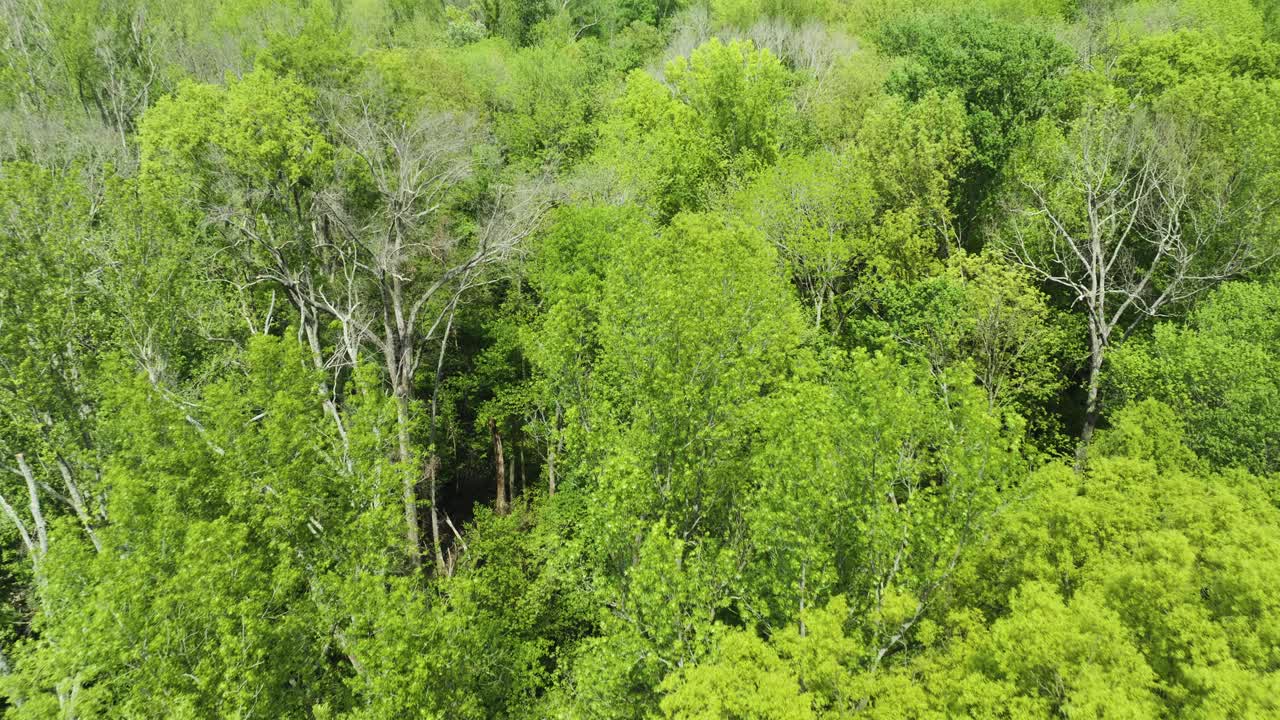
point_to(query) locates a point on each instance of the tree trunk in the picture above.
(37, 516)
(551, 470)
(524, 480)
(551, 453)
(78, 504)
(511, 479)
(1091, 407)
(412, 542)
(500, 504)
(433, 466)
(804, 566)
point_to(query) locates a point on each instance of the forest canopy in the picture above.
(632, 359)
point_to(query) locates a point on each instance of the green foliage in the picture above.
(738, 93)
(292, 290)
(1156, 64)
(550, 104)
(844, 226)
(260, 126)
(1008, 76)
(206, 595)
(693, 324)
(744, 13)
(1219, 373)
(987, 313)
(49, 321)
(746, 679)
(874, 505)
(723, 117)
(1227, 90)
(1135, 590)
(1161, 544)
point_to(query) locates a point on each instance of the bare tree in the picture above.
(129, 71)
(388, 265)
(1132, 218)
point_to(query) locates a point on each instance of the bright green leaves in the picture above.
(671, 593)
(1219, 373)
(1070, 658)
(551, 104)
(575, 258)
(267, 130)
(50, 319)
(234, 158)
(1154, 65)
(656, 145)
(260, 126)
(729, 479)
(214, 580)
(987, 313)
(55, 328)
(1048, 659)
(1226, 89)
(1137, 590)
(846, 223)
(817, 211)
(656, 342)
(1007, 75)
(871, 487)
(694, 323)
(798, 674)
(916, 151)
(319, 56)
(1161, 550)
(738, 93)
(744, 679)
(778, 393)
(723, 116)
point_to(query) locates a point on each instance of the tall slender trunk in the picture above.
(1092, 409)
(551, 453)
(433, 477)
(804, 566)
(551, 469)
(309, 322)
(511, 475)
(524, 480)
(500, 504)
(412, 541)
(433, 467)
(78, 503)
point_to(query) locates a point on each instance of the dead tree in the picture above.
(393, 270)
(1132, 221)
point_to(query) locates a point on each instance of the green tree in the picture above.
(722, 117)
(1127, 215)
(844, 225)
(1008, 75)
(1218, 372)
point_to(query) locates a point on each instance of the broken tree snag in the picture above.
(500, 504)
